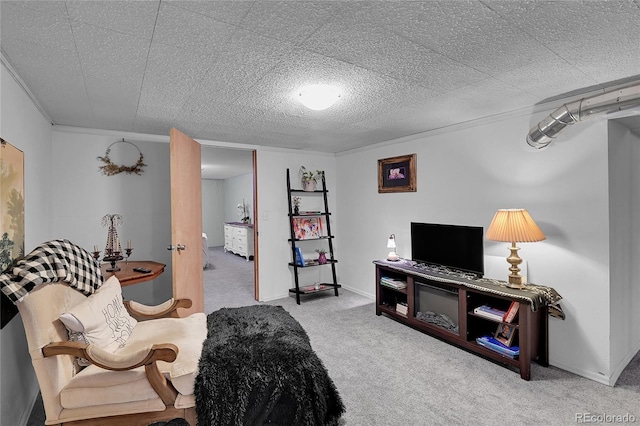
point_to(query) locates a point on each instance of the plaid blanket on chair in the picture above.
(57, 260)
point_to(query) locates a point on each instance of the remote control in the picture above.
(143, 270)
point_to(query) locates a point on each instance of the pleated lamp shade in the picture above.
(514, 226)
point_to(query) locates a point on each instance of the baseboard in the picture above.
(26, 414)
(271, 299)
(615, 375)
(609, 380)
(596, 377)
(360, 292)
(344, 287)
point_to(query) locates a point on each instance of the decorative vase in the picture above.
(296, 210)
(309, 185)
(322, 258)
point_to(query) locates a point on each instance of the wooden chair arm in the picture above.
(168, 309)
(146, 357)
(109, 361)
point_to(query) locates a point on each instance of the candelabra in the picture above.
(112, 251)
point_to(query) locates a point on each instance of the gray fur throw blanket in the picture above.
(257, 367)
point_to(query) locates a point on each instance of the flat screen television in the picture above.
(455, 246)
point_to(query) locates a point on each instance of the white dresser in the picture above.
(238, 239)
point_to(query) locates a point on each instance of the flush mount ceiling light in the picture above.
(318, 96)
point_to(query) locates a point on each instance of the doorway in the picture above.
(228, 195)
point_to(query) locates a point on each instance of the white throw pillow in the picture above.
(102, 317)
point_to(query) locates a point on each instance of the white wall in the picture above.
(236, 189)
(624, 171)
(463, 177)
(276, 277)
(213, 211)
(82, 195)
(22, 125)
(634, 291)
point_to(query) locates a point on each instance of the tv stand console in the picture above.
(444, 294)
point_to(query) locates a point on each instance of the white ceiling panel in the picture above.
(109, 55)
(231, 12)
(231, 70)
(190, 30)
(291, 21)
(390, 54)
(135, 18)
(172, 75)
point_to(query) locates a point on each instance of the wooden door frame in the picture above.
(256, 281)
(254, 159)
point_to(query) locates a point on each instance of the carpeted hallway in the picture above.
(228, 281)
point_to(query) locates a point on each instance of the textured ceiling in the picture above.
(228, 70)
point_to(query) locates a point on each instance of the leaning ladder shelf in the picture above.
(295, 242)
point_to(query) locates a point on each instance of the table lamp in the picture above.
(391, 244)
(514, 226)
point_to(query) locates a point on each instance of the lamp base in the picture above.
(516, 281)
(393, 257)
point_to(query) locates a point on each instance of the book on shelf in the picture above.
(299, 259)
(496, 346)
(510, 315)
(393, 283)
(489, 312)
(402, 308)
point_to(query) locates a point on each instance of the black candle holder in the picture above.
(112, 257)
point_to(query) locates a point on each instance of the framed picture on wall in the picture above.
(397, 174)
(12, 212)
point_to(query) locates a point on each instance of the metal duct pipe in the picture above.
(614, 100)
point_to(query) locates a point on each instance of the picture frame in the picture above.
(308, 228)
(12, 211)
(397, 174)
(505, 333)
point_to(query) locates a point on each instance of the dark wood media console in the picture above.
(456, 296)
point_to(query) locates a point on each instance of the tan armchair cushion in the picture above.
(186, 333)
(94, 386)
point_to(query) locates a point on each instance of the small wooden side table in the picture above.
(127, 276)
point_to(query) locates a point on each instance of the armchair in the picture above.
(149, 379)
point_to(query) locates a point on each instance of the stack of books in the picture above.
(393, 283)
(402, 308)
(493, 344)
(487, 311)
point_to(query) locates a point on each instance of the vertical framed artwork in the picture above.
(11, 215)
(397, 174)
